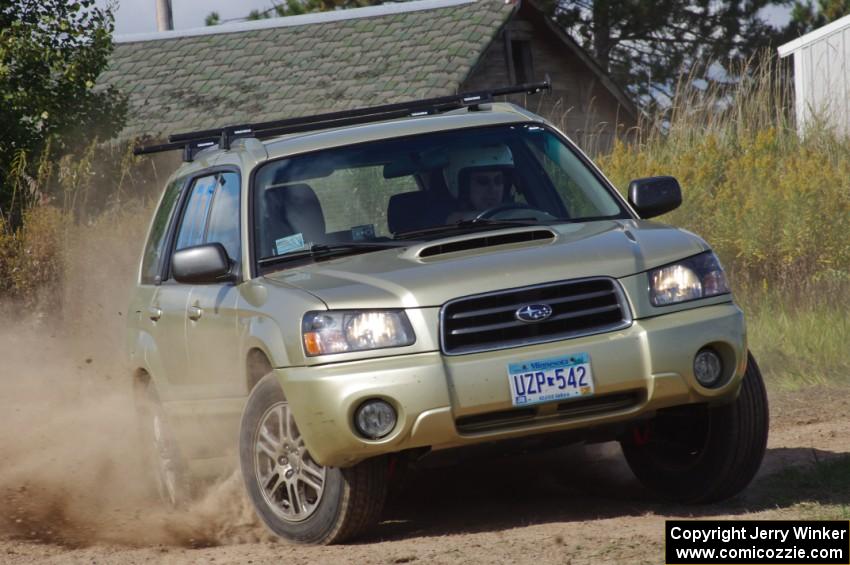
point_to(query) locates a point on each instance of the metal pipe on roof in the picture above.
(164, 19)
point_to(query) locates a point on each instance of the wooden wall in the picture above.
(822, 78)
(579, 104)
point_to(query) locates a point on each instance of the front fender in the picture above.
(270, 319)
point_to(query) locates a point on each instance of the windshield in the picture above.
(424, 186)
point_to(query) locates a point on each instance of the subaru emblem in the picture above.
(533, 313)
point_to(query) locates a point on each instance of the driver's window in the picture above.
(212, 214)
(195, 216)
(224, 216)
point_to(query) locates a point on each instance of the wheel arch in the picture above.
(257, 365)
(141, 380)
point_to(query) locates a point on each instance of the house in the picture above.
(196, 79)
(822, 75)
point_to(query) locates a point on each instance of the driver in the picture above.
(483, 178)
(485, 189)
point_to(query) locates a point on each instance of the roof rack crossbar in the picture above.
(200, 143)
(314, 126)
(225, 135)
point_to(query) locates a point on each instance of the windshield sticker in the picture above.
(360, 233)
(289, 243)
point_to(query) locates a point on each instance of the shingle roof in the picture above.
(179, 83)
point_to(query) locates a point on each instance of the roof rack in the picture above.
(195, 141)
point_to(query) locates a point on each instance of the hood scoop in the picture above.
(483, 241)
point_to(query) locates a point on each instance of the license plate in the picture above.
(547, 380)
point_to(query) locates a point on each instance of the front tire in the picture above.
(698, 454)
(294, 496)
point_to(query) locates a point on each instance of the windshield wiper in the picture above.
(320, 250)
(467, 225)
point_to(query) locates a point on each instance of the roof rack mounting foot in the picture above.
(188, 154)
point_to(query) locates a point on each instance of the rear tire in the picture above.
(698, 454)
(161, 455)
(295, 497)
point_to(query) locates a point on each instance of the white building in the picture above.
(822, 75)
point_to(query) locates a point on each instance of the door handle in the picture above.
(154, 313)
(195, 313)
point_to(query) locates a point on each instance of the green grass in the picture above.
(817, 511)
(800, 341)
(820, 491)
(775, 207)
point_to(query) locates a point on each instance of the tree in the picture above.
(805, 16)
(51, 53)
(646, 45)
(295, 8)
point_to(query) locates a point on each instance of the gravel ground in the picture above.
(70, 486)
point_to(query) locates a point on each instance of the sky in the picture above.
(139, 16)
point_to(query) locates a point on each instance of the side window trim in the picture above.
(216, 184)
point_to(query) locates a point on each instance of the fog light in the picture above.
(375, 418)
(708, 368)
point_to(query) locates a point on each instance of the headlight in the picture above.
(340, 331)
(700, 276)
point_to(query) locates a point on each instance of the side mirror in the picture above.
(201, 264)
(654, 196)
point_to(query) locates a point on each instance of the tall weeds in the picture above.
(775, 206)
(70, 195)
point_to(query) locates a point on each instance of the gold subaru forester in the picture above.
(324, 299)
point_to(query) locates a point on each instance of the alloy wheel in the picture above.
(290, 480)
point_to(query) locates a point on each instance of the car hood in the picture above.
(400, 278)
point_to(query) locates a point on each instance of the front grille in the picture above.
(489, 321)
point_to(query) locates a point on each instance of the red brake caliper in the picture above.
(641, 433)
(392, 468)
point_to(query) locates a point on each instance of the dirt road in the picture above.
(71, 487)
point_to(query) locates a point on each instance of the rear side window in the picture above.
(155, 248)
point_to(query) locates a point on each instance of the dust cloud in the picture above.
(72, 470)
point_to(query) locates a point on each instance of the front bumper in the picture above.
(650, 362)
